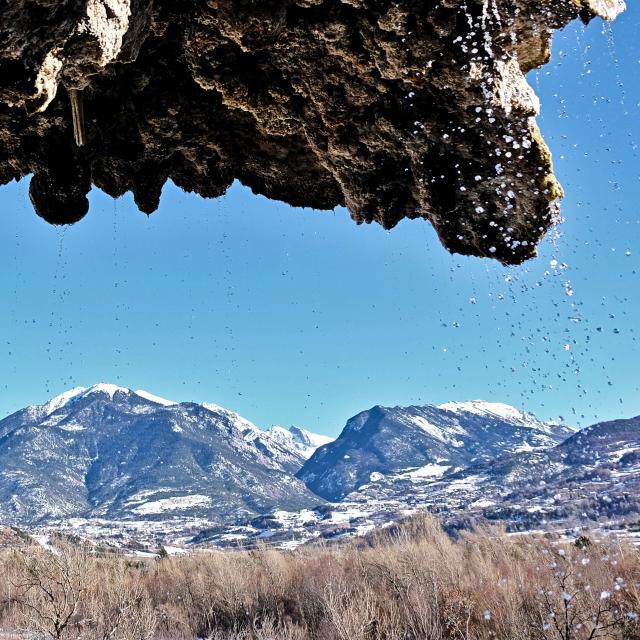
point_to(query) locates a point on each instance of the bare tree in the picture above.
(50, 588)
(574, 611)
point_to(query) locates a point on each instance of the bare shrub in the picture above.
(411, 583)
(49, 589)
(119, 608)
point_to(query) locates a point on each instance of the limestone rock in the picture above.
(394, 109)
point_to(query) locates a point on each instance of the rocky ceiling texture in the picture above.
(394, 109)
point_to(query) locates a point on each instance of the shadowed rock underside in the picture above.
(404, 109)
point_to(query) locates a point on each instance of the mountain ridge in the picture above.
(387, 439)
(107, 451)
(107, 459)
(590, 479)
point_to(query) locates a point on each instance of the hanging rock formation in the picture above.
(394, 109)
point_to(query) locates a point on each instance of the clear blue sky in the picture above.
(292, 316)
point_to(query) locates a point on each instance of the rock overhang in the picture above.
(403, 109)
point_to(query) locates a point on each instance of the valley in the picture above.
(130, 470)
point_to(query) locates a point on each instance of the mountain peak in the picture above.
(303, 441)
(502, 411)
(63, 399)
(106, 388)
(498, 409)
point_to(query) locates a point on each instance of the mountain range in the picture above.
(109, 452)
(591, 478)
(107, 459)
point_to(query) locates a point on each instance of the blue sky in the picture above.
(292, 316)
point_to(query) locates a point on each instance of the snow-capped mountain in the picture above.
(593, 475)
(432, 439)
(288, 449)
(113, 463)
(596, 471)
(113, 453)
(607, 451)
(590, 479)
(304, 442)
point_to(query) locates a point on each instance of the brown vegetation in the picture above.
(412, 583)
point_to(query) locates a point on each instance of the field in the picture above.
(414, 582)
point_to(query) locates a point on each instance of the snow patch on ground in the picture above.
(464, 484)
(298, 517)
(172, 504)
(72, 427)
(44, 541)
(347, 515)
(429, 471)
(142, 496)
(482, 503)
(616, 456)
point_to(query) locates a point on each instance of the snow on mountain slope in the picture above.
(281, 452)
(110, 390)
(107, 389)
(500, 411)
(603, 441)
(153, 398)
(288, 449)
(59, 401)
(444, 435)
(235, 418)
